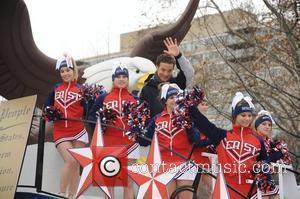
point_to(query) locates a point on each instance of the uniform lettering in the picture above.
(162, 125)
(249, 148)
(69, 96)
(113, 104)
(59, 95)
(235, 145)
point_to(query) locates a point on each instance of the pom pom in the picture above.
(137, 115)
(51, 113)
(195, 96)
(107, 115)
(283, 148)
(91, 92)
(185, 100)
(181, 119)
(262, 171)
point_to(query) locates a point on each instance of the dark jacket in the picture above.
(150, 91)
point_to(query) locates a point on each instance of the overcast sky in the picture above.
(90, 27)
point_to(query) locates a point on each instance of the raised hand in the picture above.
(172, 47)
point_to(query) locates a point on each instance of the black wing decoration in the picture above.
(25, 70)
(151, 45)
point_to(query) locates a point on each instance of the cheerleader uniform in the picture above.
(173, 137)
(113, 136)
(238, 150)
(67, 98)
(115, 101)
(273, 153)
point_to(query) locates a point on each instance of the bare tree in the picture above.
(260, 54)
(254, 52)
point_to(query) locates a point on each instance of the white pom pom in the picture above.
(239, 94)
(239, 97)
(236, 99)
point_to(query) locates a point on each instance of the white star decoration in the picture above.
(152, 180)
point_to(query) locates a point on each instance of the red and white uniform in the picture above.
(115, 100)
(67, 99)
(237, 153)
(173, 137)
(238, 150)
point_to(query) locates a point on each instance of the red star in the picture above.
(89, 160)
(153, 177)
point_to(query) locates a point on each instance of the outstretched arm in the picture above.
(213, 133)
(187, 71)
(194, 138)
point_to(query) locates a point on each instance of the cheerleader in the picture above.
(239, 149)
(114, 101)
(66, 98)
(172, 136)
(277, 150)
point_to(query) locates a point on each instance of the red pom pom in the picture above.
(91, 92)
(136, 114)
(183, 102)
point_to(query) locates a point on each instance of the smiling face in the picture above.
(164, 71)
(243, 119)
(67, 74)
(265, 129)
(121, 81)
